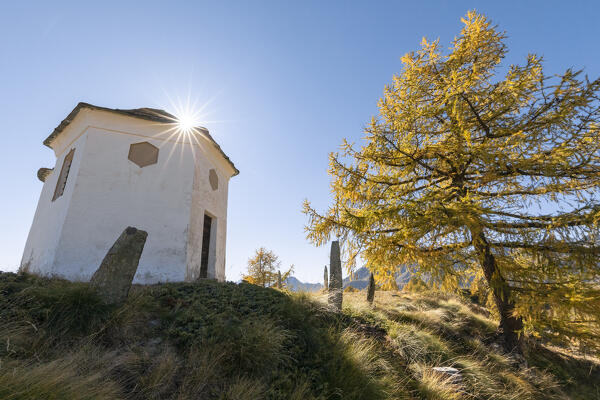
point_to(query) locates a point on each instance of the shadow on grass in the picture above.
(210, 340)
(185, 340)
(285, 341)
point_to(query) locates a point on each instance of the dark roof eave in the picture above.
(150, 114)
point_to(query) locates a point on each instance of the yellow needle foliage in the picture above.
(476, 171)
(263, 268)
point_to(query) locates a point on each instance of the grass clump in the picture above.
(39, 313)
(210, 340)
(55, 380)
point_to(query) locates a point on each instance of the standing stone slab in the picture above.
(279, 283)
(112, 280)
(371, 289)
(335, 278)
(325, 280)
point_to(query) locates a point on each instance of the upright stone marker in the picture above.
(325, 280)
(335, 278)
(279, 283)
(113, 278)
(371, 289)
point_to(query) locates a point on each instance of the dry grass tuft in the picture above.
(435, 386)
(210, 340)
(58, 380)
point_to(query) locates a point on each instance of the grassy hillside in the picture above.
(212, 340)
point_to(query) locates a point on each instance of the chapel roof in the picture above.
(151, 114)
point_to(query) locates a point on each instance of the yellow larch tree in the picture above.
(478, 171)
(263, 268)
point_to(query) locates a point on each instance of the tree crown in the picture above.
(460, 150)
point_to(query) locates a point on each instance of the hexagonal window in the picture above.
(213, 179)
(143, 154)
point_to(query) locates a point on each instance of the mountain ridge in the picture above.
(359, 280)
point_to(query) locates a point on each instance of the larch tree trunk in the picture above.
(510, 325)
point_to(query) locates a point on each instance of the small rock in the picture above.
(453, 374)
(154, 341)
(518, 361)
(497, 348)
(154, 322)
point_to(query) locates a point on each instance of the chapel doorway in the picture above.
(206, 245)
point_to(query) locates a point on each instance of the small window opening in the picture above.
(64, 173)
(206, 233)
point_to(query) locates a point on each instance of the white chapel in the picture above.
(118, 168)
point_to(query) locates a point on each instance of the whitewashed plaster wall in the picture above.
(49, 217)
(213, 203)
(106, 192)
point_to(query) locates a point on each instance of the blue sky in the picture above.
(283, 83)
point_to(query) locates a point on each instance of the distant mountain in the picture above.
(359, 280)
(295, 285)
(403, 276)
